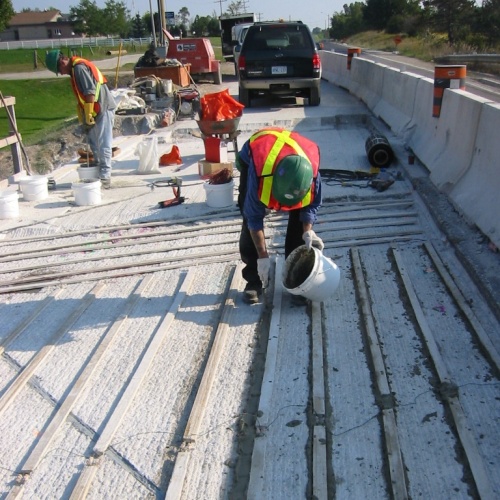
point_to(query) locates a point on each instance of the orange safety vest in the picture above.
(98, 76)
(269, 146)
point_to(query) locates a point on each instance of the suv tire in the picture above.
(314, 97)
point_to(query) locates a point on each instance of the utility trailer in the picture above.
(199, 53)
(226, 23)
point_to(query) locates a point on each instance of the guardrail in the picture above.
(73, 42)
(462, 58)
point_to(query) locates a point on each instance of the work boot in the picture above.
(251, 293)
(106, 183)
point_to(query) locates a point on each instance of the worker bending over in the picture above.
(279, 171)
(95, 108)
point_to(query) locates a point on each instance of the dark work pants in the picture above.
(248, 252)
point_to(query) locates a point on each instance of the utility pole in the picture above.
(152, 22)
(163, 24)
(220, 3)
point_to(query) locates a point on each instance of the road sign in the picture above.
(170, 18)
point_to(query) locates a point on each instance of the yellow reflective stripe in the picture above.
(267, 185)
(307, 199)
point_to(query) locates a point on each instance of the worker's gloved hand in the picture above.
(311, 239)
(263, 267)
(88, 109)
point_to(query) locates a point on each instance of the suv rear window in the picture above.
(279, 37)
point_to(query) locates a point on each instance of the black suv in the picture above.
(280, 59)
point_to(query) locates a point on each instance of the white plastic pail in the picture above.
(90, 172)
(310, 274)
(219, 195)
(87, 192)
(9, 204)
(167, 86)
(35, 187)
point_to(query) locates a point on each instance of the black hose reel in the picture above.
(379, 151)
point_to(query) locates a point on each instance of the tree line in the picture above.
(462, 21)
(116, 20)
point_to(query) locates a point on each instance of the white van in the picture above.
(238, 32)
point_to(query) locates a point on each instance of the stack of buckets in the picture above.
(87, 190)
(33, 188)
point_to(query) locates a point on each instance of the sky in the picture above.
(314, 13)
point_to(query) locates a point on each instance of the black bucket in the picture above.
(379, 151)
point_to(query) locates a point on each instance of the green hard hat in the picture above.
(292, 179)
(52, 59)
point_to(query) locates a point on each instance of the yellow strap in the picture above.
(282, 138)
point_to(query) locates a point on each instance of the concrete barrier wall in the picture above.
(456, 132)
(397, 103)
(460, 148)
(478, 190)
(363, 71)
(334, 69)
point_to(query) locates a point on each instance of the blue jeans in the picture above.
(101, 142)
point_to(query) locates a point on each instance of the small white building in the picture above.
(39, 25)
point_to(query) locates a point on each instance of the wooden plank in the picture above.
(21, 327)
(319, 455)
(86, 477)
(33, 280)
(319, 464)
(351, 218)
(7, 141)
(318, 379)
(167, 247)
(8, 100)
(394, 456)
(158, 338)
(127, 271)
(221, 336)
(106, 229)
(255, 485)
(483, 337)
(175, 487)
(474, 457)
(26, 373)
(111, 242)
(67, 404)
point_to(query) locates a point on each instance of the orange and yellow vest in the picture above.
(269, 146)
(98, 76)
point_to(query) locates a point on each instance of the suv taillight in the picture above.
(241, 63)
(316, 61)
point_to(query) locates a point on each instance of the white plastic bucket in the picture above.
(310, 274)
(87, 192)
(167, 86)
(219, 195)
(9, 204)
(35, 187)
(90, 172)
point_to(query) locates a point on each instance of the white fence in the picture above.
(73, 42)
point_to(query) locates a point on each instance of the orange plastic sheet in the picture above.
(172, 158)
(220, 106)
